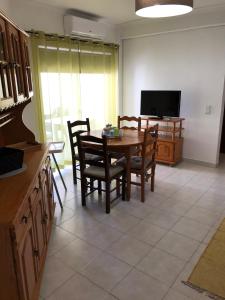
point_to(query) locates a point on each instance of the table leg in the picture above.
(128, 169)
(57, 192)
(60, 174)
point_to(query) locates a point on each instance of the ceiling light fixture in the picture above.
(162, 8)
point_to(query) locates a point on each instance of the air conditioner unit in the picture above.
(77, 26)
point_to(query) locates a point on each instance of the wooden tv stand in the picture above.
(170, 140)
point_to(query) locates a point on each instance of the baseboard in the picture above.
(201, 163)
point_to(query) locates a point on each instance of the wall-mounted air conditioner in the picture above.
(77, 26)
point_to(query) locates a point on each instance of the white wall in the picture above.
(5, 7)
(192, 61)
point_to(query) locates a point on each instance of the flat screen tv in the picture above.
(160, 103)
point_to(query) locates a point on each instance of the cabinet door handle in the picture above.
(45, 219)
(36, 253)
(24, 219)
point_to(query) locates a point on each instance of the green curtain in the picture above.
(73, 80)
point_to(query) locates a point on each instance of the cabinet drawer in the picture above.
(45, 168)
(24, 217)
(165, 151)
(22, 221)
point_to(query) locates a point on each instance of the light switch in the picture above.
(208, 109)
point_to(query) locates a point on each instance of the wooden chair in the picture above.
(140, 165)
(73, 132)
(100, 170)
(129, 119)
(136, 120)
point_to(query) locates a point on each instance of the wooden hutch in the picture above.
(26, 199)
(170, 140)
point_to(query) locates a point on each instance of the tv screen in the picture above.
(160, 103)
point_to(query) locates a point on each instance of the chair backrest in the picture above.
(148, 151)
(74, 129)
(130, 119)
(88, 144)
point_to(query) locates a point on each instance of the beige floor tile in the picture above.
(213, 202)
(134, 208)
(178, 245)
(78, 288)
(55, 274)
(137, 285)
(62, 215)
(174, 295)
(78, 254)
(188, 195)
(162, 266)
(162, 219)
(102, 236)
(59, 239)
(128, 249)
(202, 215)
(187, 190)
(120, 221)
(175, 206)
(79, 225)
(191, 228)
(153, 199)
(106, 271)
(111, 297)
(148, 233)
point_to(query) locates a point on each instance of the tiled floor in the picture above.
(141, 251)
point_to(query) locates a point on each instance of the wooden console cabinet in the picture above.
(26, 215)
(170, 140)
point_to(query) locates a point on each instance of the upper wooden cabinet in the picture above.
(15, 83)
(6, 82)
(15, 73)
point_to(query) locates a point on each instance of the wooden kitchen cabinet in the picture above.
(26, 217)
(26, 199)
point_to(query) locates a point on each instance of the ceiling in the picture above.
(118, 11)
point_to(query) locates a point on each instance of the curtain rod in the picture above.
(61, 36)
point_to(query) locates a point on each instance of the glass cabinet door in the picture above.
(26, 65)
(16, 63)
(5, 76)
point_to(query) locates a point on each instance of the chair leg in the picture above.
(107, 201)
(153, 179)
(99, 187)
(91, 184)
(124, 187)
(83, 191)
(74, 173)
(142, 188)
(117, 187)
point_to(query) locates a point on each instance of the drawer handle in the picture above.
(24, 220)
(45, 219)
(36, 253)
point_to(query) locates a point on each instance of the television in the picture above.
(160, 103)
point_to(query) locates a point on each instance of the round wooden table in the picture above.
(124, 144)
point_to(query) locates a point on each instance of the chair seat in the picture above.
(89, 157)
(99, 172)
(135, 163)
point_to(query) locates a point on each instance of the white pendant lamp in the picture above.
(162, 8)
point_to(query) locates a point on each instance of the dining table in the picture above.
(123, 144)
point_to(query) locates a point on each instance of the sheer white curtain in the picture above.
(75, 80)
